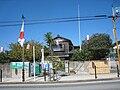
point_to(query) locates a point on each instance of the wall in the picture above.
(102, 67)
(6, 70)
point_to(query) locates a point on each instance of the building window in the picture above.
(59, 47)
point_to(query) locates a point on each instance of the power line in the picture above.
(54, 20)
(51, 19)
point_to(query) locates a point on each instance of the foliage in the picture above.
(49, 39)
(56, 62)
(16, 51)
(52, 58)
(59, 66)
(50, 42)
(99, 46)
(82, 55)
(96, 48)
(4, 57)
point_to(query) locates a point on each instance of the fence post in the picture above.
(0, 75)
(45, 74)
(117, 71)
(95, 72)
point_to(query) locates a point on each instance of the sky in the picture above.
(12, 10)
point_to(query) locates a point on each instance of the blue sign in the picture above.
(47, 67)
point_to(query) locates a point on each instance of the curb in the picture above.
(50, 82)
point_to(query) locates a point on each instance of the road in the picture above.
(94, 85)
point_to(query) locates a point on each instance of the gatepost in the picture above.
(67, 66)
(0, 75)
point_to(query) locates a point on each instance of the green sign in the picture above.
(19, 65)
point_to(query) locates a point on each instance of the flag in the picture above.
(1, 49)
(88, 37)
(21, 37)
(57, 42)
(28, 46)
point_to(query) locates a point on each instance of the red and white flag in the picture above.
(21, 37)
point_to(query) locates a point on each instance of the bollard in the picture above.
(0, 75)
(23, 75)
(44, 74)
(117, 71)
(50, 75)
(95, 72)
(54, 72)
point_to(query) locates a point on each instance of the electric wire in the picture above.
(53, 20)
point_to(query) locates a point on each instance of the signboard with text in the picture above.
(19, 65)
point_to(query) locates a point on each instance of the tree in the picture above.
(56, 62)
(4, 57)
(82, 55)
(15, 53)
(50, 42)
(96, 48)
(99, 46)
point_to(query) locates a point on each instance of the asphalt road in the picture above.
(94, 85)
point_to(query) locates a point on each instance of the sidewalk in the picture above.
(72, 77)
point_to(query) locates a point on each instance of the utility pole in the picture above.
(114, 17)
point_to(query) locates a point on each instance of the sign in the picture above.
(47, 67)
(19, 65)
(37, 69)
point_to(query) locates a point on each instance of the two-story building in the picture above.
(63, 49)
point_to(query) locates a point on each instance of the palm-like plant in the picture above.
(50, 42)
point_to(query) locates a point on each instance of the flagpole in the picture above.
(23, 71)
(79, 27)
(34, 60)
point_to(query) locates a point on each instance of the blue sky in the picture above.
(11, 10)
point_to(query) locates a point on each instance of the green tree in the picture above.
(82, 55)
(56, 62)
(4, 57)
(96, 48)
(99, 46)
(50, 42)
(15, 53)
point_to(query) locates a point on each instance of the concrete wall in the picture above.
(18, 73)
